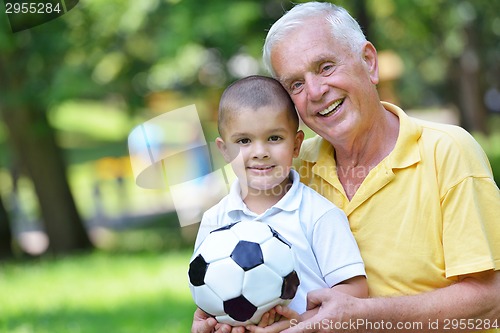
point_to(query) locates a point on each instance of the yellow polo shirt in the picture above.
(430, 211)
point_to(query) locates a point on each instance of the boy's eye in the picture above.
(274, 138)
(243, 141)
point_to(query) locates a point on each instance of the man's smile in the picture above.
(332, 108)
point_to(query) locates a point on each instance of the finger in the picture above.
(272, 317)
(222, 328)
(316, 298)
(205, 326)
(275, 327)
(252, 328)
(258, 329)
(285, 311)
(264, 320)
(239, 329)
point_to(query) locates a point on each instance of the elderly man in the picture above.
(420, 197)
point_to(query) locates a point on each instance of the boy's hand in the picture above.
(269, 318)
(203, 323)
(275, 320)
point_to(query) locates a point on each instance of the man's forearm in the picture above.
(471, 304)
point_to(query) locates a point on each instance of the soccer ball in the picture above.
(241, 271)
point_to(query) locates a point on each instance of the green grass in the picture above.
(98, 292)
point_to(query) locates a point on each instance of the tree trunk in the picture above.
(24, 91)
(363, 17)
(34, 143)
(5, 233)
(471, 106)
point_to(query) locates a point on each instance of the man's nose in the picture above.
(315, 87)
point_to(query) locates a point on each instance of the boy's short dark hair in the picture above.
(255, 92)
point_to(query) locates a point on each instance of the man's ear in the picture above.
(221, 145)
(299, 137)
(370, 58)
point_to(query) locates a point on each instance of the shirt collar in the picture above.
(405, 152)
(236, 208)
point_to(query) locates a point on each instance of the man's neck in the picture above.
(357, 158)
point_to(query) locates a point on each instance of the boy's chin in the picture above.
(264, 187)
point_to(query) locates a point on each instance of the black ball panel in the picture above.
(290, 284)
(247, 255)
(197, 270)
(239, 308)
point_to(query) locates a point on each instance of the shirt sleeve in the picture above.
(470, 203)
(335, 248)
(471, 240)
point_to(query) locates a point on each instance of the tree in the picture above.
(450, 50)
(111, 45)
(27, 62)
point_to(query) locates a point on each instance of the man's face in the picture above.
(331, 86)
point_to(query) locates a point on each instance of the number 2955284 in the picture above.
(32, 7)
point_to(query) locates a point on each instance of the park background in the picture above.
(85, 249)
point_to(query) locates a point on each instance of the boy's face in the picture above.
(260, 145)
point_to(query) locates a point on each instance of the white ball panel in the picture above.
(217, 245)
(252, 231)
(261, 285)
(225, 278)
(226, 319)
(207, 300)
(278, 256)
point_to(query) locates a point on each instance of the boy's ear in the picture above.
(221, 145)
(299, 138)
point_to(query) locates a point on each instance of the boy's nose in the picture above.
(260, 151)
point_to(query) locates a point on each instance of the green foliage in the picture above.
(430, 35)
(133, 48)
(491, 146)
(100, 292)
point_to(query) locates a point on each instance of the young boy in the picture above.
(259, 136)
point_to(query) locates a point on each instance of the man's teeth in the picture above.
(331, 108)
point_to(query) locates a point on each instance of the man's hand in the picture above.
(329, 306)
(459, 300)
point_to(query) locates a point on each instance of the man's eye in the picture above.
(296, 87)
(274, 138)
(326, 69)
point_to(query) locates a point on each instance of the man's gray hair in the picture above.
(344, 27)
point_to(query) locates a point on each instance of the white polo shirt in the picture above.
(324, 247)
